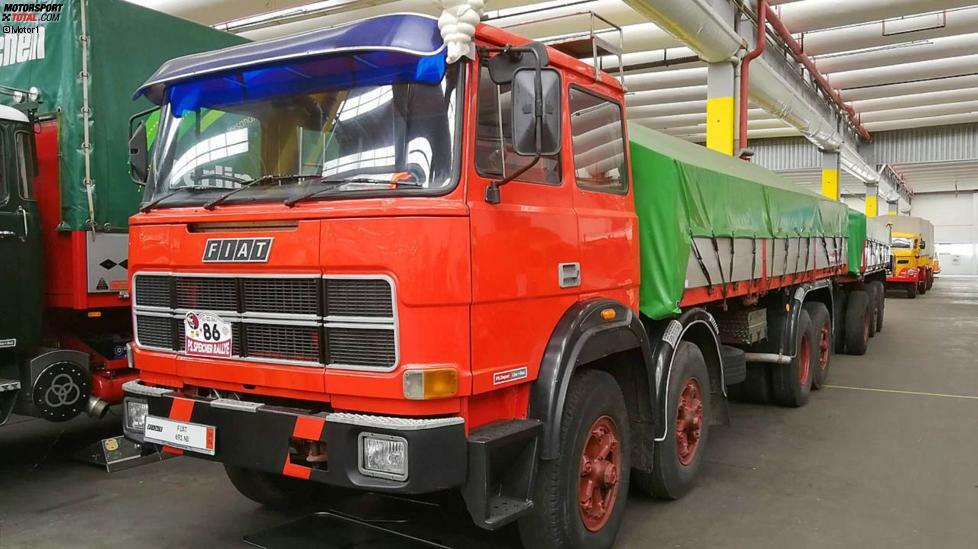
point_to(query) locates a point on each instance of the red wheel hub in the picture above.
(824, 345)
(804, 360)
(689, 421)
(600, 463)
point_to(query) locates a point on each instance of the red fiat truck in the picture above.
(421, 275)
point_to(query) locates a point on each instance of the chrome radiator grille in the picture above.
(336, 321)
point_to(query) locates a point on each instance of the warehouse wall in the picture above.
(955, 219)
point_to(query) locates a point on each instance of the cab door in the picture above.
(608, 226)
(20, 247)
(525, 256)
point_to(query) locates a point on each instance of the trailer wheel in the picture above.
(791, 383)
(579, 498)
(880, 303)
(269, 489)
(822, 325)
(678, 459)
(857, 322)
(873, 300)
(840, 320)
(911, 291)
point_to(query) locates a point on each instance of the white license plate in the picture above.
(180, 434)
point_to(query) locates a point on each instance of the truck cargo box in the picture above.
(86, 91)
(690, 199)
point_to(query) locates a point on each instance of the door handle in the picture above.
(569, 275)
(23, 214)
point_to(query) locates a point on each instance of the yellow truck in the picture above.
(912, 247)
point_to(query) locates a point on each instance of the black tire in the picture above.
(880, 303)
(911, 291)
(269, 489)
(840, 320)
(791, 383)
(556, 519)
(756, 388)
(822, 326)
(857, 322)
(873, 300)
(673, 474)
(922, 287)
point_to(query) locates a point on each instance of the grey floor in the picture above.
(885, 457)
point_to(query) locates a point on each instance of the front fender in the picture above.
(580, 337)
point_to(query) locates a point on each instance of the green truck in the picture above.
(66, 196)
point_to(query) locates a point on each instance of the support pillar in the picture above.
(830, 174)
(872, 199)
(893, 207)
(721, 112)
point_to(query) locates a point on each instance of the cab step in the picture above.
(9, 389)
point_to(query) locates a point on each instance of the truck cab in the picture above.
(909, 270)
(20, 258)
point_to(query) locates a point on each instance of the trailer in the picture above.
(468, 274)
(64, 247)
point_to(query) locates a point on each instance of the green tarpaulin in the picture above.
(683, 190)
(127, 44)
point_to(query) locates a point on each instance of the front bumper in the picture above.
(258, 437)
(901, 279)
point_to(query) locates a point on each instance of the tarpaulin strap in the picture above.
(699, 259)
(723, 283)
(784, 271)
(798, 256)
(753, 262)
(733, 250)
(825, 248)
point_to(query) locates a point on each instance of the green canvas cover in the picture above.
(857, 241)
(128, 43)
(683, 190)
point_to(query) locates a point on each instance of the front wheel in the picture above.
(911, 291)
(269, 489)
(678, 459)
(579, 498)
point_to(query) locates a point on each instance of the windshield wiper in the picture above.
(195, 188)
(247, 184)
(333, 183)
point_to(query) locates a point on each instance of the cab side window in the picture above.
(25, 165)
(599, 143)
(494, 156)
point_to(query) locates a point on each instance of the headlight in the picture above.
(135, 415)
(383, 456)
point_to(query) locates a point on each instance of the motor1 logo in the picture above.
(207, 335)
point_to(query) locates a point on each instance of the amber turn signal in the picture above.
(430, 384)
(608, 314)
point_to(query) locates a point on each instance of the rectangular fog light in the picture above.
(136, 412)
(383, 456)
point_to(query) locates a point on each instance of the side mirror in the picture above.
(536, 112)
(138, 155)
(923, 244)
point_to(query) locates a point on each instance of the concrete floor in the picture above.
(885, 457)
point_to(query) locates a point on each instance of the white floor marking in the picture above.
(918, 393)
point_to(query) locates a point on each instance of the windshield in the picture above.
(397, 138)
(902, 243)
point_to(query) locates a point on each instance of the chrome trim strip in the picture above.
(137, 388)
(391, 422)
(360, 326)
(238, 405)
(360, 319)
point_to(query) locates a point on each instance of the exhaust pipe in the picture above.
(771, 358)
(96, 407)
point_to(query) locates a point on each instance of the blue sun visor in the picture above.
(389, 49)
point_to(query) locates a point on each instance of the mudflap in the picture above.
(118, 453)
(386, 521)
